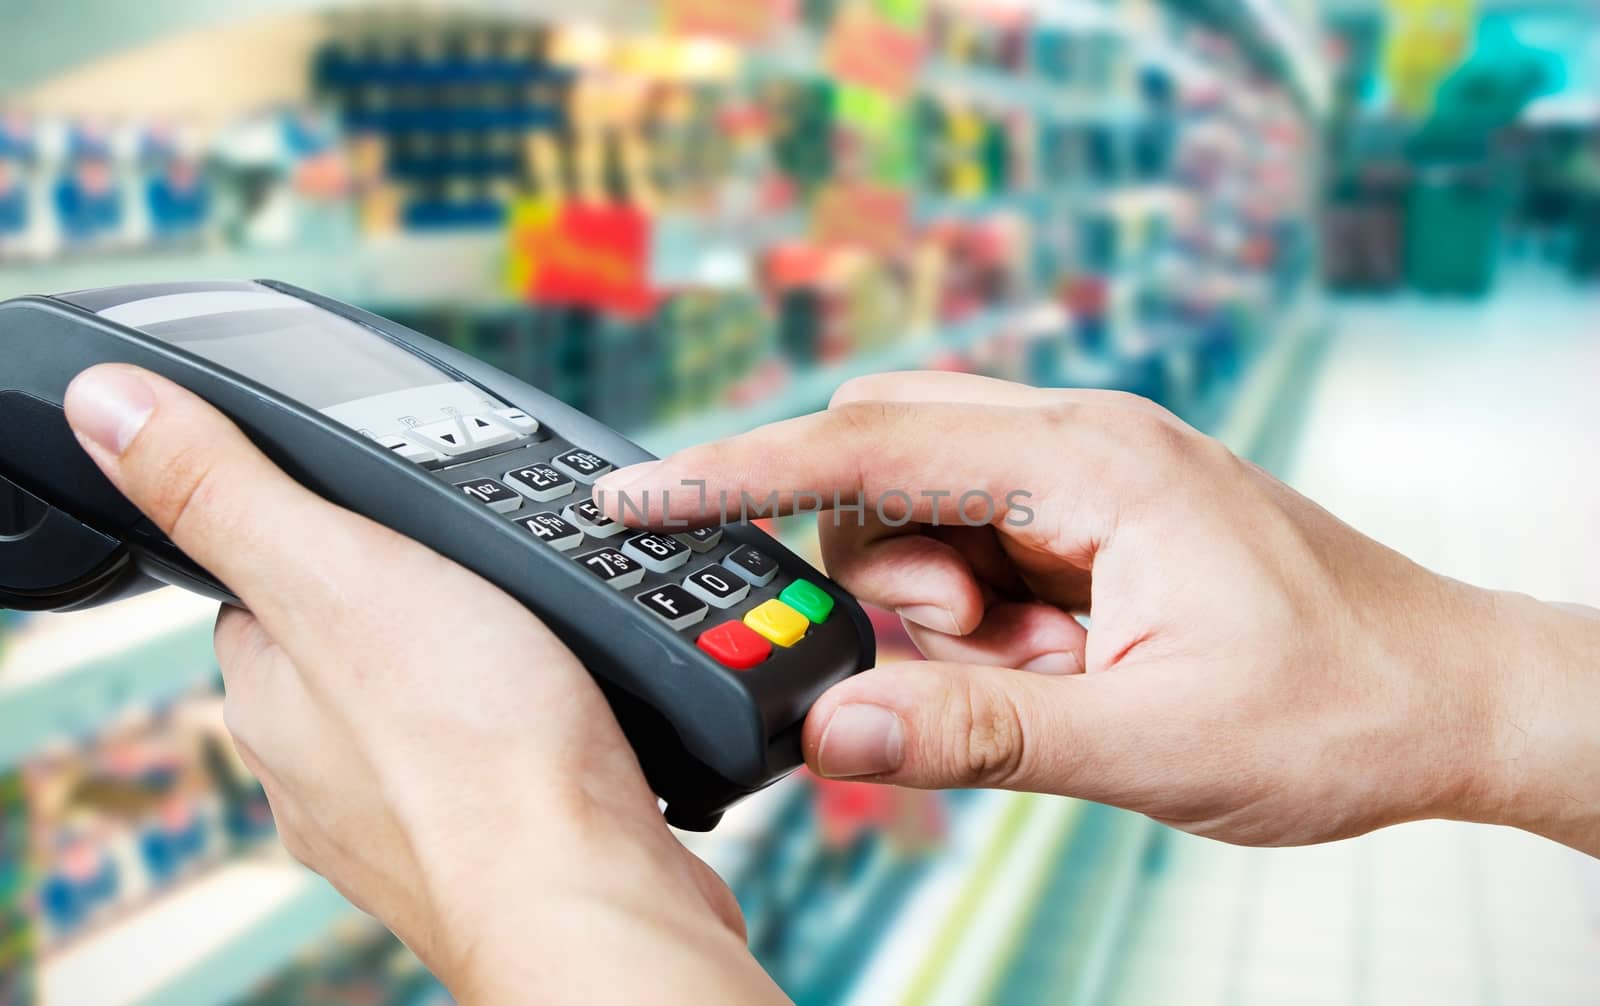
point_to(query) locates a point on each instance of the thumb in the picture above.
(937, 725)
(219, 499)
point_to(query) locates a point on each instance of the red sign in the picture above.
(591, 255)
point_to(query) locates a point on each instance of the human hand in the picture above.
(425, 742)
(1254, 669)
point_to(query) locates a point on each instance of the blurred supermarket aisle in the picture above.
(1457, 432)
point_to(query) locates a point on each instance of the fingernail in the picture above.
(109, 406)
(1053, 663)
(861, 739)
(931, 616)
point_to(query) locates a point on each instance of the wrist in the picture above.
(581, 948)
(524, 910)
(1540, 764)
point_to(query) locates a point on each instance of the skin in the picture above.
(382, 694)
(1255, 670)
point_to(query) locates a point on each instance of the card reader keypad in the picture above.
(584, 466)
(717, 587)
(554, 530)
(540, 483)
(592, 519)
(733, 601)
(673, 605)
(659, 553)
(491, 493)
(612, 567)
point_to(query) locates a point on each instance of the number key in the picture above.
(716, 586)
(755, 566)
(659, 553)
(551, 529)
(591, 518)
(491, 494)
(540, 483)
(585, 466)
(702, 539)
(613, 567)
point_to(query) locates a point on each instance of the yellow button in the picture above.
(778, 622)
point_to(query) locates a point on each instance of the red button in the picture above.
(735, 645)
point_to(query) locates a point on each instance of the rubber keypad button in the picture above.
(778, 622)
(735, 645)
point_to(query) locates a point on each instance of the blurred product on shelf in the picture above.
(359, 965)
(121, 817)
(641, 184)
(18, 929)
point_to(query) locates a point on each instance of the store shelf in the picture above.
(810, 389)
(1280, 369)
(1062, 944)
(977, 936)
(65, 36)
(66, 675)
(1033, 96)
(981, 837)
(404, 271)
(205, 944)
(1278, 44)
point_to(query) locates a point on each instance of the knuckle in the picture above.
(1059, 418)
(1214, 452)
(1146, 451)
(989, 744)
(1127, 401)
(854, 390)
(1124, 400)
(863, 418)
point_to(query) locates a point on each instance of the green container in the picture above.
(1453, 232)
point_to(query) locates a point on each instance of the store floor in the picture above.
(1463, 434)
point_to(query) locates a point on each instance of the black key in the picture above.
(491, 493)
(757, 567)
(613, 567)
(702, 539)
(539, 482)
(591, 518)
(673, 605)
(554, 530)
(717, 585)
(659, 553)
(585, 466)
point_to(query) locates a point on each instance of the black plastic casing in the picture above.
(705, 735)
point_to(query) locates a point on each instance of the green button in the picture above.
(808, 599)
